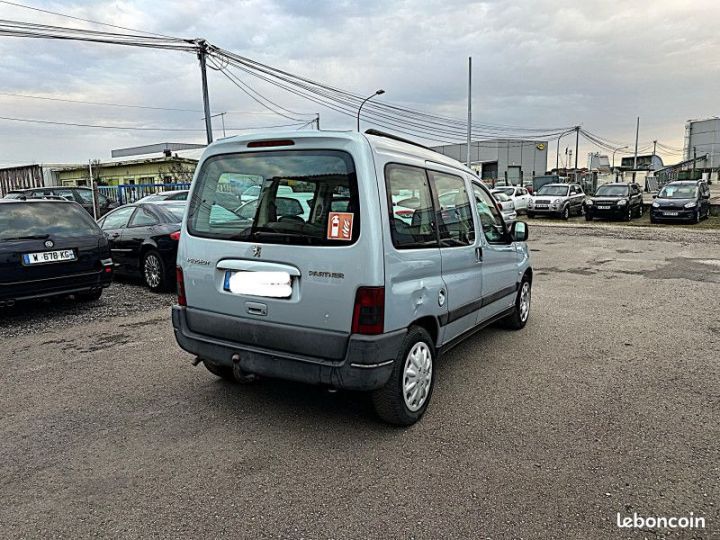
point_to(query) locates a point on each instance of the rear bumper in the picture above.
(55, 286)
(366, 364)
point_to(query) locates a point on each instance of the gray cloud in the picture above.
(536, 63)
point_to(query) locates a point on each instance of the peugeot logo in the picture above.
(257, 251)
(49, 243)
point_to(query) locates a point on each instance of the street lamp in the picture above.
(613, 159)
(377, 93)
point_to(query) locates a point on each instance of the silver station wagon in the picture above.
(354, 262)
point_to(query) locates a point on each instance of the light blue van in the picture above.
(346, 270)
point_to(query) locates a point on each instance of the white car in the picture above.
(507, 206)
(253, 192)
(518, 195)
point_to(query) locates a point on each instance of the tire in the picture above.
(565, 214)
(696, 219)
(582, 210)
(153, 271)
(520, 315)
(91, 296)
(391, 401)
(628, 216)
(640, 211)
(224, 372)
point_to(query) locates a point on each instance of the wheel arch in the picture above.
(430, 324)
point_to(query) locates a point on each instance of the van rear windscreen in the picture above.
(299, 197)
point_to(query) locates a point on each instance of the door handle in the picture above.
(479, 254)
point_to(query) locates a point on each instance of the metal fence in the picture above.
(128, 193)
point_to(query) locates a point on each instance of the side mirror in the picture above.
(519, 231)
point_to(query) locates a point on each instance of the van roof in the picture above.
(377, 142)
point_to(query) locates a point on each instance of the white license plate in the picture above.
(541, 206)
(670, 213)
(603, 207)
(44, 257)
(268, 284)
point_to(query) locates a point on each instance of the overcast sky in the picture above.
(539, 63)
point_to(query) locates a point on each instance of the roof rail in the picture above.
(379, 133)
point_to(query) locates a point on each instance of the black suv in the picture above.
(81, 195)
(618, 200)
(51, 248)
(687, 200)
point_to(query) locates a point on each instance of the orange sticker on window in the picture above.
(340, 226)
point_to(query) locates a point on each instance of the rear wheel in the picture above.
(153, 269)
(519, 317)
(405, 397)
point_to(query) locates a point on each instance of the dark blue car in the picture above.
(51, 248)
(687, 200)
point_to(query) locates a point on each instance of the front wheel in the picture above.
(519, 317)
(154, 273)
(565, 213)
(628, 215)
(405, 397)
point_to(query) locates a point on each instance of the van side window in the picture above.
(412, 223)
(490, 219)
(455, 221)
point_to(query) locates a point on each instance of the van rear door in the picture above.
(289, 258)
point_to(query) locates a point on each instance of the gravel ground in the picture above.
(607, 402)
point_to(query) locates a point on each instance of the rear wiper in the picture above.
(29, 237)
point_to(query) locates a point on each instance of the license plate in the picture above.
(45, 257)
(670, 213)
(603, 208)
(541, 206)
(267, 284)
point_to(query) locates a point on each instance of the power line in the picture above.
(135, 128)
(81, 19)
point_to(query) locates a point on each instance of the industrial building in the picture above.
(511, 160)
(702, 138)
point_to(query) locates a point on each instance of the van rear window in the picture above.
(36, 219)
(299, 197)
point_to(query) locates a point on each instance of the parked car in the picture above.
(50, 248)
(520, 196)
(560, 200)
(81, 195)
(681, 201)
(144, 239)
(353, 298)
(172, 195)
(506, 205)
(615, 201)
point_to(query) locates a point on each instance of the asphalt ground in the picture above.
(608, 401)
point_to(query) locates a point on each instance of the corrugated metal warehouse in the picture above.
(505, 159)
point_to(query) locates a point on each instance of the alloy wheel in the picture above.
(525, 301)
(152, 271)
(417, 376)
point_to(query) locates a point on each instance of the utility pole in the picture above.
(317, 121)
(202, 54)
(637, 134)
(469, 125)
(577, 142)
(654, 147)
(694, 161)
(93, 187)
(557, 157)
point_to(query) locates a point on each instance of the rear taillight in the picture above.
(182, 301)
(369, 311)
(404, 213)
(175, 236)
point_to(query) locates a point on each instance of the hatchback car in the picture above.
(506, 205)
(681, 201)
(352, 296)
(174, 195)
(619, 201)
(143, 240)
(50, 248)
(520, 196)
